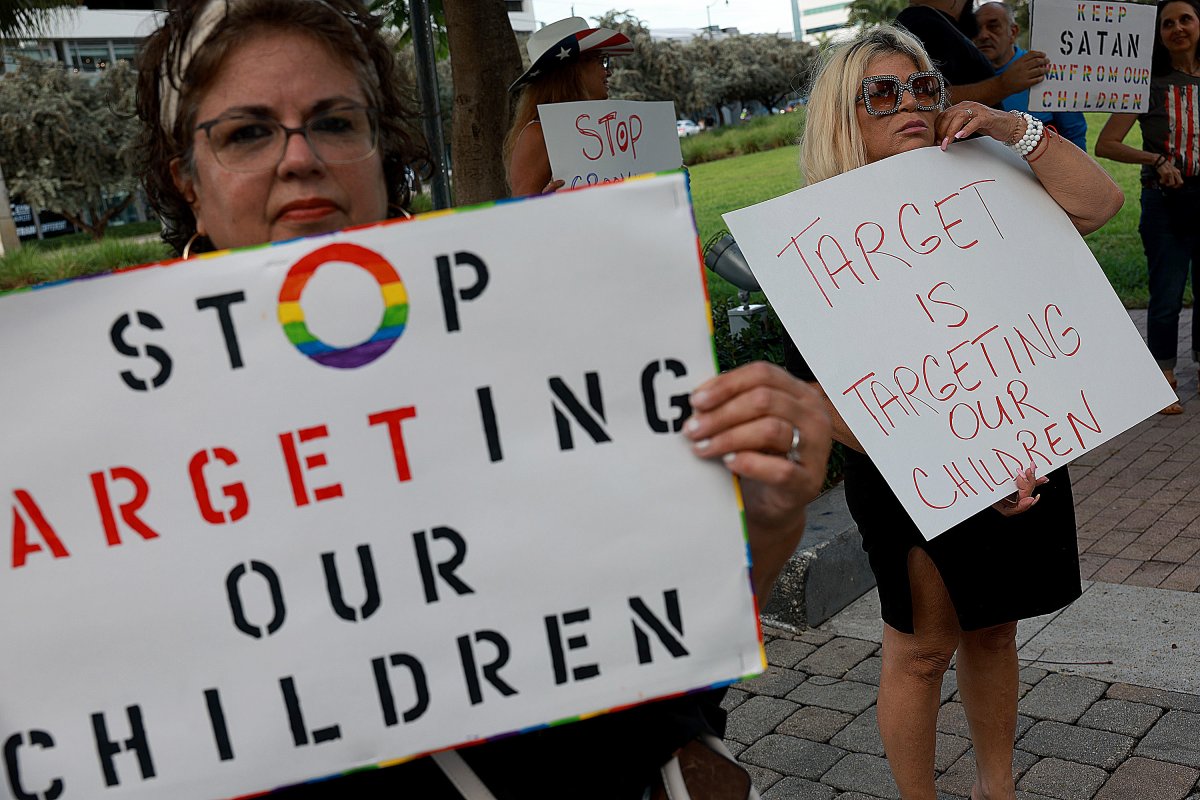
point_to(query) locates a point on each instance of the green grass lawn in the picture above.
(35, 263)
(717, 187)
(733, 183)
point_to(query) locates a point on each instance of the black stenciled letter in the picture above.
(668, 639)
(334, 585)
(557, 655)
(108, 749)
(36, 739)
(387, 701)
(593, 425)
(117, 334)
(232, 587)
(216, 715)
(650, 398)
(487, 415)
(300, 732)
(446, 279)
(444, 568)
(222, 302)
(489, 671)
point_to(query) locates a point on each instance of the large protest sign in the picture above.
(601, 141)
(285, 512)
(1099, 56)
(955, 318)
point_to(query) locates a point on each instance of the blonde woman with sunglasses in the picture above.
(963, 592)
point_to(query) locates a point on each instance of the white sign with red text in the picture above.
(1099, 55)
(284, 512)
(955, 318)
(602, 141)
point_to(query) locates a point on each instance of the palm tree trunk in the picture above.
(484, 59)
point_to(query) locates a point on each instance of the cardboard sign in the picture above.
(292, 510)
(602, 141)
(1099, 56)
(955, 318)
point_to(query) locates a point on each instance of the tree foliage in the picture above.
(398, 14)
(868, 13)
(29, 17)
(65, 141)
(707, 72)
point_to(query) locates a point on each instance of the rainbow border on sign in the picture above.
(737, 489)
(422, 217)
(395, 306)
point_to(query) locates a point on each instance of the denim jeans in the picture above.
(1170, 229)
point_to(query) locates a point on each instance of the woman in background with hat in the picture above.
(568, 63)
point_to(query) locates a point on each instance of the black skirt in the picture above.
(996, 569)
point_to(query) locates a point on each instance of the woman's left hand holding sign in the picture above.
(772, 431)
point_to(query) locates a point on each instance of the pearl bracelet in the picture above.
(1028, 142)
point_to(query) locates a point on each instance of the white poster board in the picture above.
(1099, 56)
(955, 318)
(281, 513)
(602, 141)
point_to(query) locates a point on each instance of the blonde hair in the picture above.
(832, 142)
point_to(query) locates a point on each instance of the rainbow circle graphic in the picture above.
(395, 307)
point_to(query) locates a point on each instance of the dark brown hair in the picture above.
(1160, 59)
(346, 27)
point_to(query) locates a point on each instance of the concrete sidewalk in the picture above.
(1110, 686)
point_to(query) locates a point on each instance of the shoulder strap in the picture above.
(459, 773)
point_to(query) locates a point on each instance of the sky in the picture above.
(749, 16)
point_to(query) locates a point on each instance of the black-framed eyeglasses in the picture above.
(251, 143)
(883, 93)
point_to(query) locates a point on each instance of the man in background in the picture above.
(997, 39)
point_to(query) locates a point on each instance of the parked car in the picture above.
(686, 127)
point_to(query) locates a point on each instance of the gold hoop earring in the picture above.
(187, 248)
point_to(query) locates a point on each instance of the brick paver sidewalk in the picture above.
(806, 729)
(1137, 498)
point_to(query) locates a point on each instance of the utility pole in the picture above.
(708, 14)
(797, 22)
(427, 87)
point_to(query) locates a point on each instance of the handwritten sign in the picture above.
(1099, 56)
(602, 141)
(956, 320)
(297, 509)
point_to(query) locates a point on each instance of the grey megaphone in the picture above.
(725, 258)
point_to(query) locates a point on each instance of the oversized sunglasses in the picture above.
(882, 93)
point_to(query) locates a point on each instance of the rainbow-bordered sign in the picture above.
(395, 306)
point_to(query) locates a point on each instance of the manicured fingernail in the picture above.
(700, 397)
(960, 134)
(728, 458)
(692, 425)
(703, 444)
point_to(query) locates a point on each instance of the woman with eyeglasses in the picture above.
(962, 592)
(569, 62)
(266, 120)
